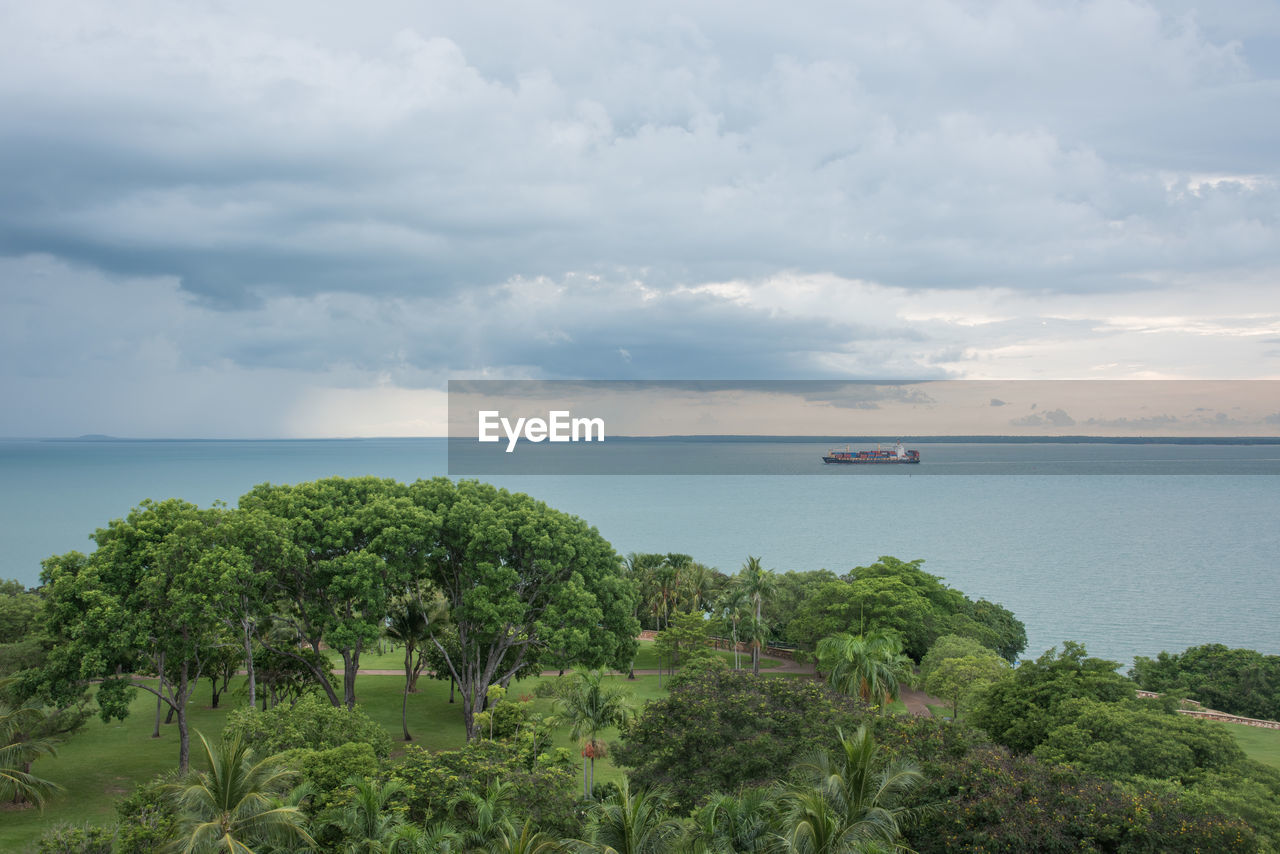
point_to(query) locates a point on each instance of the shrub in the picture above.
(76, 839)
(313, 723)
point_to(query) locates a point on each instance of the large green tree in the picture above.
(1020, 711)
(1239, 681)
(521, 579)
(143, 602)
(590, 706)
(359, 543)
(759, 584)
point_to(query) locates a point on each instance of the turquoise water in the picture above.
(1129, 564)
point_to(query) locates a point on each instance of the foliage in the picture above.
(19, 612)
(148, 818)
(1121, 741)
(850, 798)
(358, 541)
(958, 669)
(993, 801)
(142, 602)
(326, 772)
(590, 708)
(735, 823)
(76, 839)
(719, 730)
(236, 804)
(684, 640)
(870, 666)
(898, 596)
(20, 746)
(1238, 681)
(521, 579)
(632, 822)
(370, 823)
(1020, 712)
(311, 722)
(541, 784)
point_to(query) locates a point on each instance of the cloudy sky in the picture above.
(226, 219)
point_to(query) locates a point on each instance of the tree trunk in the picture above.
(184, 737)
(586, 785)
(404, 713)
(452, 683)
(168, 719)
(159, 691)
(248, 666)
(350, 667)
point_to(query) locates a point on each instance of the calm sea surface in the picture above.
(1129, 564)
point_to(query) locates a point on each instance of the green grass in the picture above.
(1262, 745)
(103, 762)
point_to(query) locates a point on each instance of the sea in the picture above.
(1129, 549)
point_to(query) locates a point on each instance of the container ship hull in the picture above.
(897, 457)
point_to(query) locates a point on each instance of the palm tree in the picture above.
(18, 749)
(729, 824)
(847, 800)
(530, 840)
(590, 708)
(483, 818)
(872, 666)
(734, 603)
(408, 624)
(697, 586)
(236, 804)
(369, 827)
(631, 823)
(759, 584)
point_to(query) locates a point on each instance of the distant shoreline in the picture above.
(883, 439)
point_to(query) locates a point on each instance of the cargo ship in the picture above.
(898, 455)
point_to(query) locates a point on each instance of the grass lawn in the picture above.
(103, 762)
(1262, 745)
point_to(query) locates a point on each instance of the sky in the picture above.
(231, 219)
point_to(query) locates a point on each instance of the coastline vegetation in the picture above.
(544, 724)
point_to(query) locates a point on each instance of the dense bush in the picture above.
(1238, 681)
(76, 839)
(899, 596)
(993, 801)
(148, 818)
(313, 723)
(1020, 712)
(543, 785)
(719, 730)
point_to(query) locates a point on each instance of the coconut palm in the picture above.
(18, 749)
(734, 824)
(631, 823)
(759, 584)
(848, 800)
(872, 666)
(529, 840)
(589, 707)
(236, 804)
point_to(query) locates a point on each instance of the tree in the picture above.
(870, 666)
(958, 669)
(236, 804)
(759, 584)
(736, 824)
(408, 625)
(359, 542)
(368, 826)
(18, 749)
(143, 601)
(1019, 712)
(590, 707)
(719, 730)
(630, 822)
(1238, 681)
(521, 579)
(734, 604)
(850, 799)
